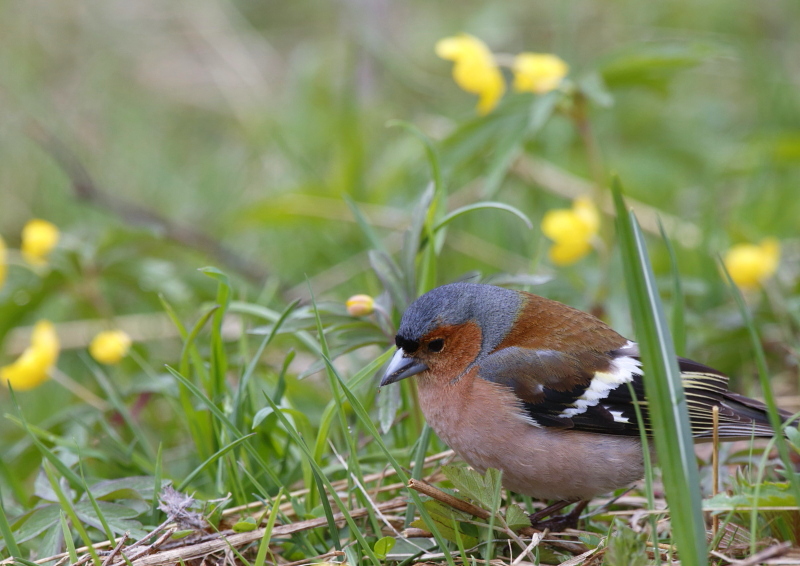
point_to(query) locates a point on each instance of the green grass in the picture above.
(321, 150)
(666, 399)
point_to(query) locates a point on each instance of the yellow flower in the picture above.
(474, 69)
(110, 347)
(538, 72)
(39, 237)
(33, 367)
(3, 264)
(749, 264)
(360, 305)
(572, 230)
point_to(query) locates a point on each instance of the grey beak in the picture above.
(401, 367)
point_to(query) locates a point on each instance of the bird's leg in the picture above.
(559, 522)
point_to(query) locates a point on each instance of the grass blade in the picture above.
(157, 478)
(69, 509)
(419, 465)
(321, 475)
(678, 316)
(666, 398)
(251, 367)
(766, 386)
(326, 506)
(115, 399)
(73, 478)
(263, 546)
(211, 459)
(5, 530)
(70, 544)
(370, 428)
(481, 206)
(219, 359)
(100, 517)
(363, 223)
(353, 464)
(430, 150)
(216, 412)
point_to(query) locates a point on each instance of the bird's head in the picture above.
(448, 329)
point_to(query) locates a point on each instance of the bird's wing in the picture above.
(596, 393)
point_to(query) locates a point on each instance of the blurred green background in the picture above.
(230, 133)
(216, 113)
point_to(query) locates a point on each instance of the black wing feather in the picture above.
(705, 388)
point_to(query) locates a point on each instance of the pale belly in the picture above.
(543, 463)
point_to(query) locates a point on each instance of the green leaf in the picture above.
(472, 484)
(249, 524)
(653, 66)
(591, 540)
(447, 531)
(383, 546)
(215, 274)
(594, 88)
(444, 513)
(39, 520)
(774, 494)
(483, 206)
(374, 240)
(411, 244)
(391, 277)
(112, 511)
(471, 140)
(506, 149)
(119, 518)
(430, 150)
(626, 547)
(388, 405)
(516, 518)
(74, 480)
(794, 437)
(134, 487)
(513, 136)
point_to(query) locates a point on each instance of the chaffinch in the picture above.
(539, 390)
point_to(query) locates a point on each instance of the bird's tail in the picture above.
(742, 418)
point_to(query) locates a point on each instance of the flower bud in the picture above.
(360, 305)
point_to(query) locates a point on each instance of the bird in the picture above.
(545, 392)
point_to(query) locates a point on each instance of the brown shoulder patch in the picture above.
(543, 324)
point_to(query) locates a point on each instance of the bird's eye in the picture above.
(436, 345)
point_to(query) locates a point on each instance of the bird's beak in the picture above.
(401, 367)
